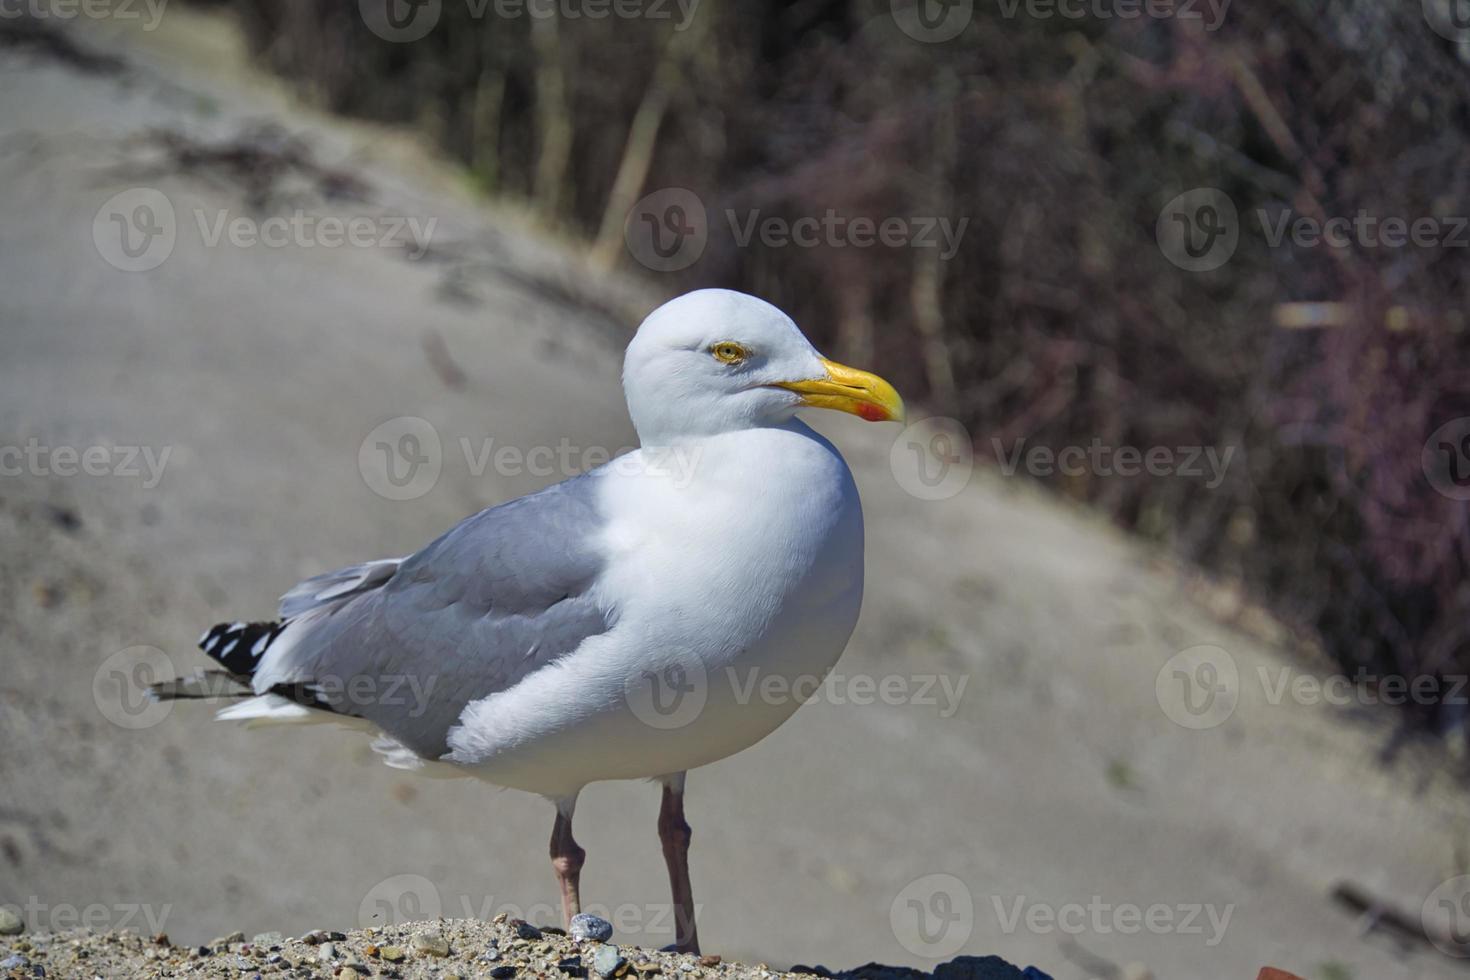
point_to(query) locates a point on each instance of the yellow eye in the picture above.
(729, 352)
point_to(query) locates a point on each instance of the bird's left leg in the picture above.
(674, 834)
(566, 860)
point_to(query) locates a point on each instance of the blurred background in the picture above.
(1178, 287)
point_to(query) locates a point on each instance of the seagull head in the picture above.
(716, 360)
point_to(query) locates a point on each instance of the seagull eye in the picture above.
(729, 352)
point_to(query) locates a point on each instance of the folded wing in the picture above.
(406, 644)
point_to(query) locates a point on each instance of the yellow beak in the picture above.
(850, 390)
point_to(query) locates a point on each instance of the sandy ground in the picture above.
(1024, 788)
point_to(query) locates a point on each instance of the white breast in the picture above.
(735, 566)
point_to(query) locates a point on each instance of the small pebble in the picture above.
(502, 973)
(607, 960)
(14, 961)
(326, 952)
(710, 960)
(10, 923)
(348, 973)
(392, 954)
(235, 937)
(526, 931)
(587, 926)
(267, 939)
(431, 944)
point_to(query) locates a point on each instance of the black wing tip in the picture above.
(238, 647)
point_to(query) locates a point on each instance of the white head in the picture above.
(715, 360)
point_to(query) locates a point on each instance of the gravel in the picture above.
(449, 948)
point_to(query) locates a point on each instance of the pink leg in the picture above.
(674, 833)
(566, 860)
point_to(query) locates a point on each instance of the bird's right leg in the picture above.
(566, 860)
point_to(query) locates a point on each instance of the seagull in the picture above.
(622, 624)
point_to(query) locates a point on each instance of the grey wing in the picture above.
(407, 644)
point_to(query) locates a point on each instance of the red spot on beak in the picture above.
(872, 413)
